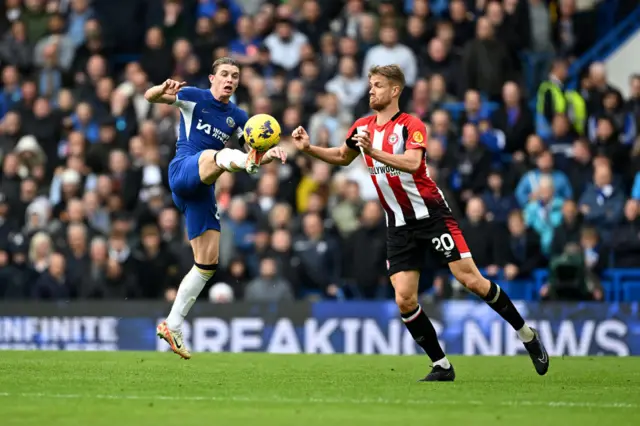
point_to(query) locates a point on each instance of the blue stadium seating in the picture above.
(619, 285)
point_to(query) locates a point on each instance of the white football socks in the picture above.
(526, 334)
(444, 363)
(190, 287)
(231, 160)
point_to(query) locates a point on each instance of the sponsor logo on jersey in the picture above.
(213, 131)
(418, 138)
(383, 170)
(231, 122)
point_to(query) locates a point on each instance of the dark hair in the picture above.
(223, 61)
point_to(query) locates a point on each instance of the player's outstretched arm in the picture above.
(342, 156)
(164, 93)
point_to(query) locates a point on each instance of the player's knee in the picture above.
(406, 302)
(207, 270)
(207, 168)
(405, 284)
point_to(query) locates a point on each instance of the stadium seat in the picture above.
(627, 283)
(631, 292)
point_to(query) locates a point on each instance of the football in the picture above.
(262, 132)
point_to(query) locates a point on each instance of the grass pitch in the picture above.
(147, 388)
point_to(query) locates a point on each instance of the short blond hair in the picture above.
(392, 72)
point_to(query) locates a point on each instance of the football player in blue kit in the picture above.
(208, 120)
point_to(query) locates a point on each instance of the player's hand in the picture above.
(301, 138)
(363, 141)
(277, 153)
(171, 87)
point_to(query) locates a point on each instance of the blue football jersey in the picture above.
(206, 123)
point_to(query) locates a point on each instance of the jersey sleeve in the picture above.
(242, 118)
(350, 141)
(185, 96)
(416, 137)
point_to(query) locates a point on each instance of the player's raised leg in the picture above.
(212, 164)
(405, 284)
(467, 274)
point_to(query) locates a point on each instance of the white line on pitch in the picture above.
(312, 400)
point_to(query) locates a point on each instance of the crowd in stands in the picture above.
(85, 209)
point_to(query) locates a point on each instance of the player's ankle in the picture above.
(526, 334)
(444, 363)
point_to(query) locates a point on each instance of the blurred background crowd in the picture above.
(538, 175)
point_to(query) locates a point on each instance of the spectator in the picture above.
(580, 166)
(560, 142)
(623, 120)
(499, 204)
(80, 13)
(486, 64)
(438, 60)
(157, 265)
(569, 229)
(544, 213)
(78, 261)
(313, 24)
(573, 32)
(439, 92)
(529, 185)
(347, 85)
(17, 277)
(64, 45)
(284, 45)
(390, 51)
(242, 230)
(602, 203)
(420, 104)
(474, 109)
(541, 48)
(346, 211)
(156, 59)
(626, 238)
(513, 118)
(473, 164)
(15, 48)
(52, 284)
(441, 130)
(519, 254)
(367, 267)
(633, 103)
(36, 18)
(479, 235)
(319, 258)
(598, 88)
(282, 252)
(462, 27)
(607, 142)
(269, 286)
(236, 275)
(330, 117)
(554, 99)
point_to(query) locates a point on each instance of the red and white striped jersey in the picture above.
(405, 197)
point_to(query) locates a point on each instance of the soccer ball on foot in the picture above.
(262, 132)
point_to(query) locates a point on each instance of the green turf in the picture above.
(135, 388)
